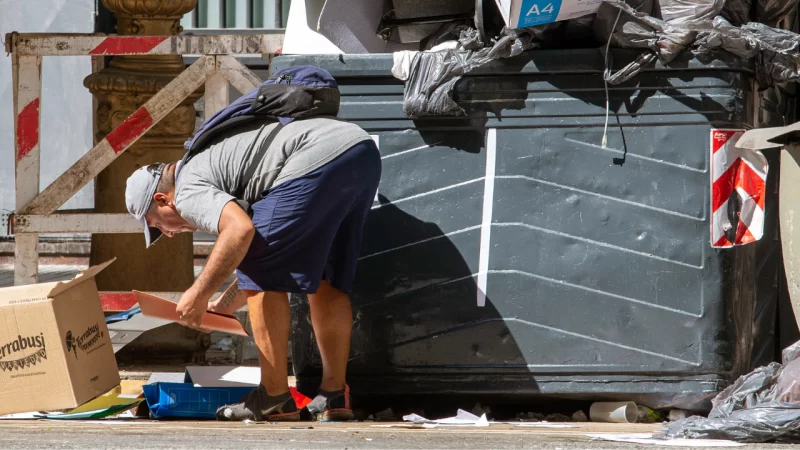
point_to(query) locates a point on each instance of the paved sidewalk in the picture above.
(210, 434)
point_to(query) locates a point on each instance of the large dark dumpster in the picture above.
(508, 252)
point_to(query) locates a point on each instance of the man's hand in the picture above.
(192, 308)
(235, 234)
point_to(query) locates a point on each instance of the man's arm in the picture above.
(236, 231)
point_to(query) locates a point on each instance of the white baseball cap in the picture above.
(141, 187)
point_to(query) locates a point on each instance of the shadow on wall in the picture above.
(414, 306)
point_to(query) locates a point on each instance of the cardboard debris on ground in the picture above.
(123, 332)
(101, 413)
(161, 308)
(110, 400)
(647, 438)
(55, 351)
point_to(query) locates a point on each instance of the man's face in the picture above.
(165, 217)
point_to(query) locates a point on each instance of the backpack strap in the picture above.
(261, 152)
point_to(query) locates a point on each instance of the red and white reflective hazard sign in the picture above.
(738, 184)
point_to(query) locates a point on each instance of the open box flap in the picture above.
(87, 274)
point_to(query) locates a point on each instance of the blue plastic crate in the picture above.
(184, 400)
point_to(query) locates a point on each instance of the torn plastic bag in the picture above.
(677, 12)
(450, 31)
(428, 91)
(746, 392)
(628, 25)
(762, 406)
(790, 353)
(628, 28)
(770, 422)
(737, 12)
(776, 52)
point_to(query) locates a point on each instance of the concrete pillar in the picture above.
(119, 89)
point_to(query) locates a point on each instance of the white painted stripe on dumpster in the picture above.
(486, 223)
(377, 140)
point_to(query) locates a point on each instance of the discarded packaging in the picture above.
(615, 412)
(662, 30)
(125, 327)
(433, 75)
(55, 351)
(762, 406)
(529, 13)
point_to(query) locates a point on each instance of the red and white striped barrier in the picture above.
(41, 44)
(121, 137)
(123, 301)
(27, 84)
(35, 209)
(738, 184)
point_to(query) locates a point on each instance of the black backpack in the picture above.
(294, 93)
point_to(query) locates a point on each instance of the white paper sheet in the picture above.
(462, 418)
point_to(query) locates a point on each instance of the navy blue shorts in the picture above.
(309, 229)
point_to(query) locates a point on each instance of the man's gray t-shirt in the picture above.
(219, 174)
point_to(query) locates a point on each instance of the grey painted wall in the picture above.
(66, 113)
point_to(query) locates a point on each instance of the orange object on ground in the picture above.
(299, 399)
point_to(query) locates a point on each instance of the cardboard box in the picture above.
(55, 352)
(529, 13)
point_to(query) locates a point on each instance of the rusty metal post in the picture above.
(123, 86)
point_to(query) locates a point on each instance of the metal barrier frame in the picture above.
(36, 211)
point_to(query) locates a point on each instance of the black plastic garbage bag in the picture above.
(428, 91)
(769, 422)
(762, 406)
(631, 25)
(776, 51)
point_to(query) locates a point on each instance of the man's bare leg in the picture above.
(332, 319)
(270, 318)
